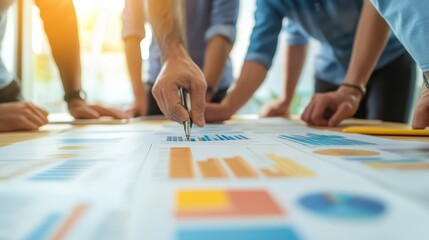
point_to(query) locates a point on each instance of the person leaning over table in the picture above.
(333, 23)
(178, 69)
(409, 20)
(59, 19)
(210, 31)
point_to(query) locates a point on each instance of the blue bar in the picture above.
(250, 233)
(243, 137)
(193, 140)
(180, 139)
(221, 137)
(43, 230)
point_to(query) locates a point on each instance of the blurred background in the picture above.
(105, 77)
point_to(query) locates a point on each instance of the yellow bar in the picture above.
(240, 167)
(201, 200)
(289, 167)
(181, 163)
(212, 168)
(400, 166)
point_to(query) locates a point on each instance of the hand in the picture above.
(181, 72)
(82, 110)
(138, 109)
(21, 116)
(329, 109)
(279, 107)
(209, 97)
(218, 112)
(421, 113)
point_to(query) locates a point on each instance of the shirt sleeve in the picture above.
(133, 19)
(293, 34)
(264, 38)
(409, 21)
(223, 19)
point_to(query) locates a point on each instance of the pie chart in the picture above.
(342, 206)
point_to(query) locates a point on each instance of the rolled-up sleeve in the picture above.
(293, 34)
(409, 20)
(133, 19)
(223, 19)
(264, 38)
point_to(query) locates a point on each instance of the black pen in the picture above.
(185, 98)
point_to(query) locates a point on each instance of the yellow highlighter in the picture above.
(374, 130)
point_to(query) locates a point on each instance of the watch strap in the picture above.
(78, 94)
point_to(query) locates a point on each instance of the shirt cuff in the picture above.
(425, 67)
(259, 58)
(227, 31)
(295, 41)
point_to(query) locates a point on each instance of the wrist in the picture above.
(350, 91)
(75, 102)
(176, 52)
(284, 101)
(353, 88)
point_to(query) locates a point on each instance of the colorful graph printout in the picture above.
(226, 203)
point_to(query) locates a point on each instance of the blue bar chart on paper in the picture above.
(207, 138)
(312, 139)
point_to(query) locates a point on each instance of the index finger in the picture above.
(198, 103)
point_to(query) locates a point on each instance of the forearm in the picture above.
(166, 19)
(371, 38)
(294, 63)
(134, 63)
(60, 24)
(216, 55)
(251, 77)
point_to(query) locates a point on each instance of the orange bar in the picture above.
(212, 168)
(240, 167)
(181, 163)
(70, 221)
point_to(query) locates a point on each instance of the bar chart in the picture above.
(285, 167)
(55, 226)
(207, 138)
(312, 139)
(64, 171)
(226, 203)
(182, 165)
(234, 233)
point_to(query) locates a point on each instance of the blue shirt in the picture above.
(5, 77)
(409, 20)
(332, 22)
(205, 19)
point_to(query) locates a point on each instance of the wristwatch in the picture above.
(426, 81)
(212, 90)
(78, 94)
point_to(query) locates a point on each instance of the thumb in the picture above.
(198, 103)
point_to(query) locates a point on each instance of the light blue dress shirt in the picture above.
(205, 19)
(409, 20)
(332, 22)
(5, 77)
